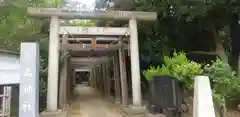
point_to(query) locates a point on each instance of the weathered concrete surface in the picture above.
(131, 111)
(58, 113)
(89, 104)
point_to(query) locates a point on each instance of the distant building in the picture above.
(9, 67)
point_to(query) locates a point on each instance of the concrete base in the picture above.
(131, 111)
(156, 115)
(58, 113)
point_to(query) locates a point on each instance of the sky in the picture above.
(87, 2)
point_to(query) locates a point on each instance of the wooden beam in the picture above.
(88, 59)
(97, 39)
(96, 47)
(93, 31)
(82, 70)
(87, 14)
(94, 42)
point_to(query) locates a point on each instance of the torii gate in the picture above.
(57, 13)
(94, 32)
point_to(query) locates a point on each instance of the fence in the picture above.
(5, 101)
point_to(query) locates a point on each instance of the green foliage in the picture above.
(222, 77)
(177, 66)
(183, 69)
(224, 83)
(89, 23)
(223, 80)
(17, 26)
(43, 78)
(155, 71)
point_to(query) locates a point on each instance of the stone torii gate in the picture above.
(56, 13)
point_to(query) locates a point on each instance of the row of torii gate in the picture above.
(93, 57)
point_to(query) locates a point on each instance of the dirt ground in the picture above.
(231, 112)
(89, 104)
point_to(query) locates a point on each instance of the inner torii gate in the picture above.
(56, 13)
(93, 48)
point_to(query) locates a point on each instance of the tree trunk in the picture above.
(219, 47)
(223, 56)
(234, 34)
(223, 109)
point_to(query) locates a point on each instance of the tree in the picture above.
(206, 27)
(17, 25)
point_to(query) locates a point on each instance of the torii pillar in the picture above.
(53, 64)
(135, 70)
(53, 70)
(136, 109)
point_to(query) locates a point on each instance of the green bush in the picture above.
(224, 82)
(155, 71)
(177, 66)
(183, 69)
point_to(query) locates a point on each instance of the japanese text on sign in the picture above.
(26, 107)
(28, 73)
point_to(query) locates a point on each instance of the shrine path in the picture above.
(89, 104)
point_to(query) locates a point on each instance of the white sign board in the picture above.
(29, 81)
(95, 31)
(89, 14)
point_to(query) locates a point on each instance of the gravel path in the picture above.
(89, 104)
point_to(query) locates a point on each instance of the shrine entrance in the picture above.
(82, 49)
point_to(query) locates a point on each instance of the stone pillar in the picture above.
(69, 80)
(96, 73)
(53, 64)
(94, 76)
(108, 80)
(98, 78)
(203, 104)
(123, 75)
(101, 79)
(116, 78)
(90, 79)
(74, 78)
(63, 75)
(136, 110)
(104, 79)
(135, 70)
